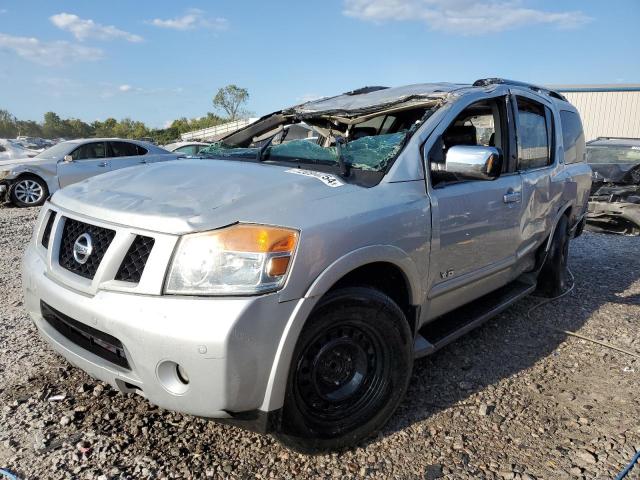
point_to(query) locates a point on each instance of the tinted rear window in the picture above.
(126, 149)
(572, 137)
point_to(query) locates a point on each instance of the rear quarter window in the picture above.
(572, 137)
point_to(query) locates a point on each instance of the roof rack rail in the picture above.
(485, 82)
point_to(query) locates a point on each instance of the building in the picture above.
(606, 110)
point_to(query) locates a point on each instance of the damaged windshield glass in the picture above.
(366, 153)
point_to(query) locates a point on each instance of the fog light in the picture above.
(182, 374)
(173, 377)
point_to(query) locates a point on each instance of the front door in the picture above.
(476, 222)
(89, 160)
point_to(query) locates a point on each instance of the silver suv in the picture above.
(288, 286)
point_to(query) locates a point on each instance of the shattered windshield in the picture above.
(613, 155)
(366, 153)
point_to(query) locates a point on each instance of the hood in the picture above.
(201, 194)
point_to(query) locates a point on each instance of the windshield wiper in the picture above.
(263, 149)
(345, 169)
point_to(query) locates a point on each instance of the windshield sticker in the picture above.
(326, 178)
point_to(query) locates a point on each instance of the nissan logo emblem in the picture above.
(82, 248)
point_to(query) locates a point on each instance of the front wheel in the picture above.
(28, 191)
(350, 370)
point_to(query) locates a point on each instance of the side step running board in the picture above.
(450, 326)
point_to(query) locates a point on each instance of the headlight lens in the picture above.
(237, 260)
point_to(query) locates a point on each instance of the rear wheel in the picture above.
(350, 370)
(552, 280)
(28, 191)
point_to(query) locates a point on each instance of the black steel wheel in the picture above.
(552, 280)
(350, 370)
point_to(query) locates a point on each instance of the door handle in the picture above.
(103, 164)
(512, 197)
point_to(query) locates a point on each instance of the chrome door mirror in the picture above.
(67, 158)
(474, 162)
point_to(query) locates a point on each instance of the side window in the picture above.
(187, 149)
(124, 149)
(89, 151)
(534, 134)
(481, 123)
(141, 150)
(572, 137)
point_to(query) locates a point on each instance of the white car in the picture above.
(29, 181)
(186, 148)
(10, 149)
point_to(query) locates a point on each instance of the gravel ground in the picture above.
(515, 399)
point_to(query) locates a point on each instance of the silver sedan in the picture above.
(27, 182)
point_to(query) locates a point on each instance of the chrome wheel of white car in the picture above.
(28, 192)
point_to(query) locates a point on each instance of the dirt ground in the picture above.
(514, 399)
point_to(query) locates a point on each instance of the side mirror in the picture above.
(68, 158)
(474, 162)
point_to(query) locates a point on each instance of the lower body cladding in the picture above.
(209, 357)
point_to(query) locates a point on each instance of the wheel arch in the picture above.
(565, 210)
(27, 172)
(343, 271)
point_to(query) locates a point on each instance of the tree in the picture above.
(7, 125)
(52, 126)
(230, 99)
(28, 128)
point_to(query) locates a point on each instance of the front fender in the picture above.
(276, 387)
(47, 174)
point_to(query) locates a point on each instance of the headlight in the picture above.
(237, 260)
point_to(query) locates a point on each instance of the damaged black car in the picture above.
(614, 203)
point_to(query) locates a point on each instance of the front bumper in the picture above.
(226, 346)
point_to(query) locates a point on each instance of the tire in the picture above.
(552, 280)
(28, 191)
(350, 370)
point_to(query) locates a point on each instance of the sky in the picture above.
(157, 60)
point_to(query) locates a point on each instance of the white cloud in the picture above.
(192, 19)
(110, 90)
(467, 17)
(83, 29)
(48, 53)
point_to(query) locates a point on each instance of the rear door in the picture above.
(475, 222)
(89, 159)
(544, 180)
(126, 154)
